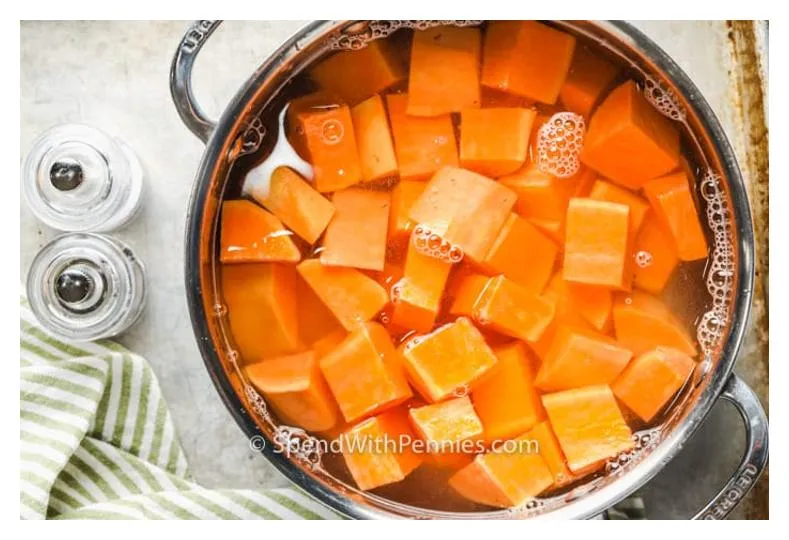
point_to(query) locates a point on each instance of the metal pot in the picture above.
(239, 132)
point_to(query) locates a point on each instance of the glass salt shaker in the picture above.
(78, 178)
(86, 286)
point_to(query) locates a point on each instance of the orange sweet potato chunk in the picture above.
(444, 74)
(526, 58)
(579, 358)
(629, 141)
(540, 195)
(369, 454)
(506, 401)
(422, 145)
(655, 247)
(353, 297)
(262, 306)
(588, 424)
(365, 373)
(443, 425)
(566, 313)
(651, 379)
(329, 342)
(356, 237)
(523, 254)
(593, 303)
(294, 201)
(403, 196)
(495, 142)
(504, 477)
(418, 294)
(374, 140)
(597, 244)
(296, 389)
(339, 74)
(643, 322)
(590, 75)
(672, 201)
(455, 356)
(551, 453)
(465, 208)
(251, 234)
(606, 191)
(316, 320)
(330, 146)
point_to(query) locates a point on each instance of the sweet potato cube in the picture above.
(465, 208)
(629, 141)
(508, 476)
(329, 342)
(316, 320)
(365, 373)
(643, 322)
(526, 58)
(331, 146)
(596, 243)
(372, 453)
(356, 237)
(403, 196)
(443, 425)
(262, 305)
(339, 74)
(418, 294)
(453, 357)
(589, 76)
(655, 256)
(593, 303)
(581, 358)
(374, 140)
(540, 195)
(444, 75)
(651, 379)
(673, 204)
(353, 297)
(422, 145)
(495, 142)
(589, 426)
(294, 386)
(551, 453)
(251, 234)
(606, 191)
(506, 401)
(523, 254)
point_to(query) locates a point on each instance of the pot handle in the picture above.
(181, 78)
(755, 458)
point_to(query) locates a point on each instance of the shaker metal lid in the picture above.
(78, 178)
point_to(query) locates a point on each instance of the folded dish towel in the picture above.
(97, 442)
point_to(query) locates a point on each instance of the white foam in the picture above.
(559, 144)
(663, 99)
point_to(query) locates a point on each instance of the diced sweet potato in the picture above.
(369, 454)
(655, 256)
(651, 379)
(565, 314)
(526, 58)
(589, 76)
(495, 142)
(339, 74)
(643, 322)
(316, 320)
(262, 296)
(589, 426)
(294, 386)
(465, 208)
(419, 292)
(329, 342)
(444, 75)
(504, 477)
(374, 140)
(251, 234)
(551, 453)
(300, 207)
(596, 245)
(356, 237)
(365, 373)
(606, 191)
(593, 303)
(506, 401)
(353, 297)
(455, 356)
(442, 425)
(579, 358)
(629, 141)
(403, 196)
(523, 254)
(673, 205)
(331, 146)
(422, 145)
(540, 195)
(506, 307)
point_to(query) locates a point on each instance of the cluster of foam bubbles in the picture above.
(663, 99)
(559, 144)
(257, 402)
(297, 444)
(644, 441)
(358, 35)
(643, 259)
(433, 245)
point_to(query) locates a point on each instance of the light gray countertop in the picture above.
(114, 75)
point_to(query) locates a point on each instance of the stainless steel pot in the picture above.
(239, 132)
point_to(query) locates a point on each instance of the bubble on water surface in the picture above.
(559, 144)
(643, 259)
